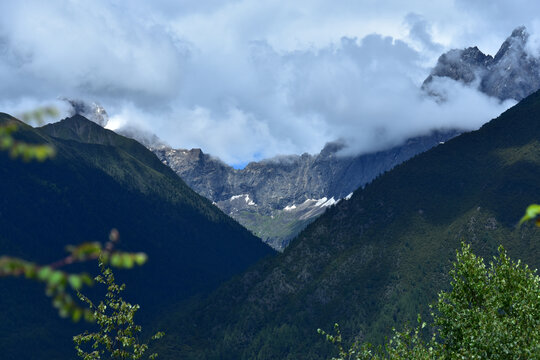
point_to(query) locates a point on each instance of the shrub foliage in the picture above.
(117, 336)
(491, 312)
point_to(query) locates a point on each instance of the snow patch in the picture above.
(246, 198)
(326, 202)
(348, 197)
(330, 202)
(249, 201)
(289, 207)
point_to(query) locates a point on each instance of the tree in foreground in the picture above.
(117, 337)
(492, 312)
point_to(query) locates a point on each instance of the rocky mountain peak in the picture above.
(512, 74)
(513, 45)
(473, 55)
(195, 153)
(461, 65)
(92, 111)
(277, 197)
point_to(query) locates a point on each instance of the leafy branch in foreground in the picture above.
(492, 312)
(21, 149)
(118, 333)
(58, 282)
(531, 213)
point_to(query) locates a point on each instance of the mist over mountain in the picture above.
(375, 261)
(284, 165)
(92, 111)
(513, 73)
(275, 198)
(242, 95)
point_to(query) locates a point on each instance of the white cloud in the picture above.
(250, 79)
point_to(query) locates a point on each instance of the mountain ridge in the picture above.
(93, 184)
(372, 262)
(275, 189)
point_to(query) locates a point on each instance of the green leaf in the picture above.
(116, 260)
(76, 315)
(75, 281)
(56, 278)
(44, 273)
(127, 261)
(140, 258)
(532, 212)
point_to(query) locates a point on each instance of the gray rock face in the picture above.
(275, 198)
(512, 74)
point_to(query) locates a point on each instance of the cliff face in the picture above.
(276, 198)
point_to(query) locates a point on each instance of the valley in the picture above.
(256, 173)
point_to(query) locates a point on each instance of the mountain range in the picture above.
(379, 258)
(376, 232)
(276, 198)
(97, 181)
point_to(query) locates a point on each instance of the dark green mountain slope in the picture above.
(97, 181)
(378, 259)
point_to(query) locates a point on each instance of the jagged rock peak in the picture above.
(460, 65)
(515, 42)
(512, 74)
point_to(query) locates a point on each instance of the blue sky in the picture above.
(251, 79)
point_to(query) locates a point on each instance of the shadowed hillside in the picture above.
(99, 181)
(376, 260)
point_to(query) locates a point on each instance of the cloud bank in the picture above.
(246, 80)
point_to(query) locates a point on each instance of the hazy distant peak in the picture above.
(512, 74)
(147, 138)
(515, 43)
(92, 111)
